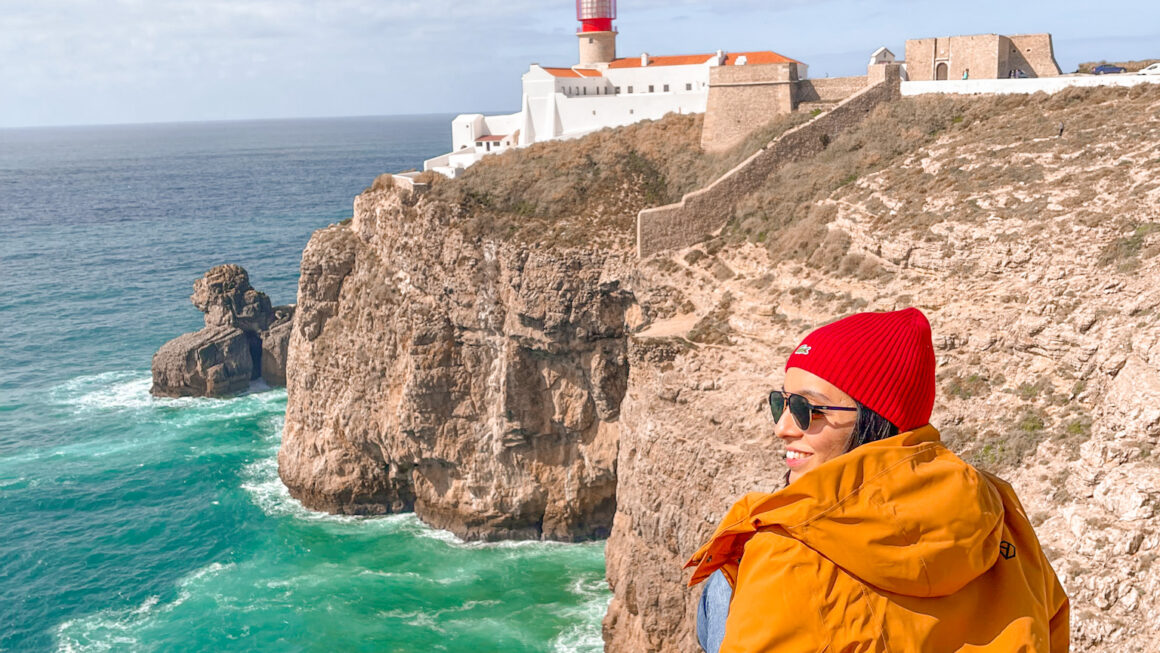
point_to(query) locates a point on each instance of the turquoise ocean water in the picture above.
(129, 523)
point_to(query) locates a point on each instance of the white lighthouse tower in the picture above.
(596, 34)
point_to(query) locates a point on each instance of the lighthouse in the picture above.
(597, 38)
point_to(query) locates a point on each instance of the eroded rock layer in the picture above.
(478, 384)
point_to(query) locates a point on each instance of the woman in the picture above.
(882, 539)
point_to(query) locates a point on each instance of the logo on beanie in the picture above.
(803, 350)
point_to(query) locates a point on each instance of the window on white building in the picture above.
(650, 88)
(630, 89)
(666, 88)
(618, 90)
(585, 90)
(688, 87)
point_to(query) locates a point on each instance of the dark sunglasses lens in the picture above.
(801, 411)
(798, 407)
(776, 405)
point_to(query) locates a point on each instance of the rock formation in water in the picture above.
(475, 383)
(244, 338)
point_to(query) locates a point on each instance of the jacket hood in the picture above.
(903, 515)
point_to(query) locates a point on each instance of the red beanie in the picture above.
(885, 361)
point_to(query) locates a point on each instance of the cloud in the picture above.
(114, 60)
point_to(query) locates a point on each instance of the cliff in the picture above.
(475, 383)
(470, 356)
(1035, 258)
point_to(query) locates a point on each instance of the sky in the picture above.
(80, 62)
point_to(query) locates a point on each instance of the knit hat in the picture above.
(885, 361)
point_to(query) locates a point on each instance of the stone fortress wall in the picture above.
(742, 99)
(829, 89)
(985, 56)
(703, 212)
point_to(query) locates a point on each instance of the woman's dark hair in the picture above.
(869, 426)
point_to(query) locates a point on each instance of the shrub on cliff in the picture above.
(1006, 141)
(587, 191)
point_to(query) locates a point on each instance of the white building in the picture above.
(601, 91)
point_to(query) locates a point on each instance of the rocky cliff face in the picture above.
(1035, 260)
(478, 384)
(486, 385)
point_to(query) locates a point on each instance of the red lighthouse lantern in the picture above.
(597, 39)
(595, 15)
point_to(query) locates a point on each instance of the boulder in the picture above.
(213, 362)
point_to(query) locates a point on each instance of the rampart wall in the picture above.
(1036, 52)
(1008, 86)
(985, 56)
(700, 213)
(406, 181)
(829, 89)
(742, 98)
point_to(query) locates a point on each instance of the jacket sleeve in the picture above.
(774, 605)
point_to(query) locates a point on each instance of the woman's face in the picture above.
(829, 432)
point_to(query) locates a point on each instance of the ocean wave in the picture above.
(587, 635)
(105, 391)
(129, 390)
(516, 545)
(261, 481)
(118, 628)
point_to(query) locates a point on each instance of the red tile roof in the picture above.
(571, 72)
(492, 138)
(760, 57)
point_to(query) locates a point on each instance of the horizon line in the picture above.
(159, 123)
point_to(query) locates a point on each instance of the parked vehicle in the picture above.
(1108, 69)
(1154, 69)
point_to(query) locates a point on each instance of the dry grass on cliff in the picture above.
(588, 191)
(1008, 142)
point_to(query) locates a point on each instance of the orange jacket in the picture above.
(896, 546)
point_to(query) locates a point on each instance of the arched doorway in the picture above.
(940, 71)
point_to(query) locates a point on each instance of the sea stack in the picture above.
(244, 338)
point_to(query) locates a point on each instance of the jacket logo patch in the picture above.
(1007, 550)
(803, 350)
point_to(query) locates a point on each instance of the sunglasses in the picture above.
(800, 407)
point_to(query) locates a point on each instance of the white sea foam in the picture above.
(429, 618)
(129, 390)
(116, 629)
(586, 636)
(519, 547)
(261, 481)
(105, 391)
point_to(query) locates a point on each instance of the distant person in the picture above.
(966, 73)
(881, 538)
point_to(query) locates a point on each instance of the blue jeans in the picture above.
(712, 611)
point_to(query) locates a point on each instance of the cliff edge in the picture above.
(474, 356)
(473, 382)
